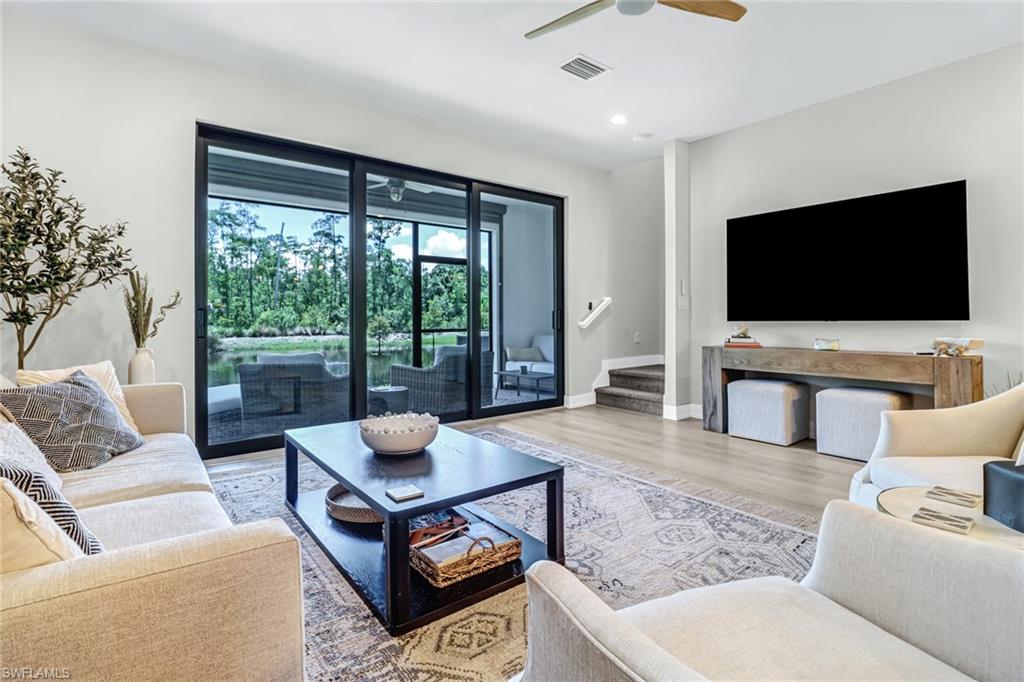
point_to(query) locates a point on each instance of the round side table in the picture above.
(393, 399)
(904, 503)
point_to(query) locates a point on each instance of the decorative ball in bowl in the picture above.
(399, 434)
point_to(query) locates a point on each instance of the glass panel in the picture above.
(407, 220)
(277, 295)
(517, 254)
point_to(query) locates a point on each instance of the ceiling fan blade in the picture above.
(572, 17)
(720, 9)
(377, 186)
(419, 187)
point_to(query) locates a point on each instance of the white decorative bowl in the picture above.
(399, 434)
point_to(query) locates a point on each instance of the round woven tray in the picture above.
(344, 506)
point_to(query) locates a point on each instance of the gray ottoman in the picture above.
(769, 410)
(849, 419)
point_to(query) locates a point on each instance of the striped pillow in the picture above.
(102, 373)
(39, 490)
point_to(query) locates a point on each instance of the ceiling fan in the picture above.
(396, 187)
(720, 9)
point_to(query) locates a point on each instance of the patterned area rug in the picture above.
(631, 536)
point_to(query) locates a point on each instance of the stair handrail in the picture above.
(593, 315)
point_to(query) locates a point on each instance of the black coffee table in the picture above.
(456, 469)
(535, 377)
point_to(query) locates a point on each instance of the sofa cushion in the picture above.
(51, 501)
(102, 373)
(15, 445)
(165, 463)
(773, 628)
(546, 344)
(30, 537)
(527, 355)
(965, 473)
(148, 519)
(73, 421)
(5, 383)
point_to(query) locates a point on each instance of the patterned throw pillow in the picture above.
(35, 486)
(72, 421)
(102, 373)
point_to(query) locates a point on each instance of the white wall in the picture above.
(633, 262)
(963, 120)
(528, 276)
(119, 120)
(676, 265)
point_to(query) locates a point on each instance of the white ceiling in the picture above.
(466, 65)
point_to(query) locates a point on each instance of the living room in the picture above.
(549, 269)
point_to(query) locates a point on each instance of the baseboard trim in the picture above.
(621, 363)
(580, 400)
(680, 412)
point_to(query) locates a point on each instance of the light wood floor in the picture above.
(796, 477)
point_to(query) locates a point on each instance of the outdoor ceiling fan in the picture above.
(720, 9)
(396, 187)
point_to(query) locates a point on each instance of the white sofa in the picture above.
(178, 593)
(885, 599)
(946, 447)
(545, 343)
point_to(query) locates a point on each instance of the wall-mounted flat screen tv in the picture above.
(894, 256)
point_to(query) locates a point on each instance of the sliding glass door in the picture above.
(416, 294)
(274, 324)
(330, 287)
(520, 252)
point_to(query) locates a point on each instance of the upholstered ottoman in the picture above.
(769, 410)
(849, 419)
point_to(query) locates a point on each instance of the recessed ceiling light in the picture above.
(618, 120)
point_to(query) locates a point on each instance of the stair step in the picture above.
(650, 379)
(630, 399)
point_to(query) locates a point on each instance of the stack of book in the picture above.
(742, 342)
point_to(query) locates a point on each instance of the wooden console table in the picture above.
(955, 381)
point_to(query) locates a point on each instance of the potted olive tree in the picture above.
(48, 255)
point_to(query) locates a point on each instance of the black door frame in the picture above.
(358, 166)
(557, 314)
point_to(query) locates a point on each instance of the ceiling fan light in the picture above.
(396, 190)
(634, 7)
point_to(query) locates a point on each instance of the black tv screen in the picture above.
(895, 256)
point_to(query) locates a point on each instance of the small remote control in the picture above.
(404, 493)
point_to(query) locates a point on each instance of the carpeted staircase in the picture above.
(640, 389)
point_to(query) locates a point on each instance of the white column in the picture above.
(677, 279)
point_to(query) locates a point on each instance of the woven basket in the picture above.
(474, 562)
(344, 506)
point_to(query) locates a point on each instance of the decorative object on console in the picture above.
(139, 304)
(956, 347)
(399, 434)
(344, 506)
(1004, 493)
(826, 344)
(48, 255)
(741, 338)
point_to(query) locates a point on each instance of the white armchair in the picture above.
(947, 447)
(885, 599)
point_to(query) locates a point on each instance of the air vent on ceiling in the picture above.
(583, 67)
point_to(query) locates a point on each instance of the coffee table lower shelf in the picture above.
(358, 551)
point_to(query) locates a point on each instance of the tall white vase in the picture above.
(142, 368)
